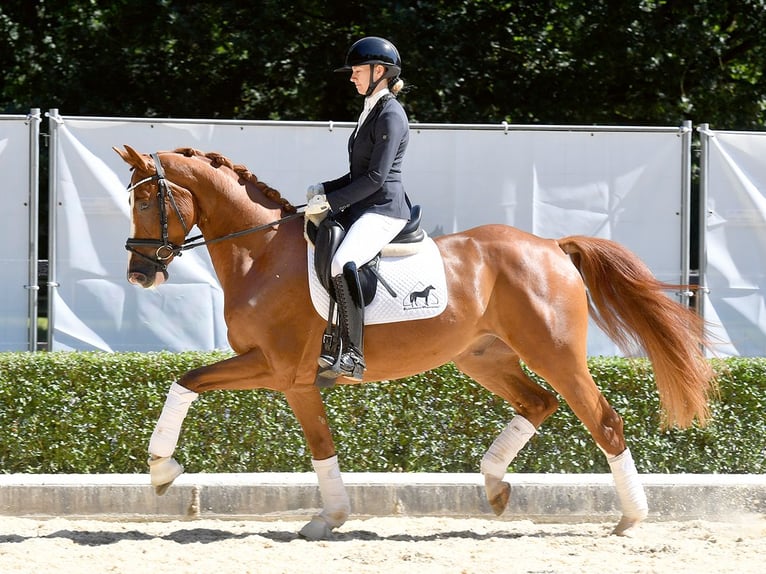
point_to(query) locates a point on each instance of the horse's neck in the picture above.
(231, 207)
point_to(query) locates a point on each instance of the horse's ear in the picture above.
(135, 159)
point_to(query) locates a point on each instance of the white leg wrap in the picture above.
(334, 496)
(506, 446)
(334, 499)
(630, 491)
(165, 436)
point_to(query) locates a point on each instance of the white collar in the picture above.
(370, 101)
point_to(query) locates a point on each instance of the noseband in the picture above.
(165, 249)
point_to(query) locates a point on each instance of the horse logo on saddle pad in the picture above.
(405, 282)
(429, 299)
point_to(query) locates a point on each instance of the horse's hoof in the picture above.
(626, 526)
(499, 502)
(163, 471)
(162, 488)
(317, 529)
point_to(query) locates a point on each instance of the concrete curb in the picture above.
(540, 497)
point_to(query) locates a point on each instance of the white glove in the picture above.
(316, 189)
(317, 205)
(317, 209)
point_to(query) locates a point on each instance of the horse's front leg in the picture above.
(245, 371)
(306, 403)
(163, 468)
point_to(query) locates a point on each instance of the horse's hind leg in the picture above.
(496, 367)
(572, 379)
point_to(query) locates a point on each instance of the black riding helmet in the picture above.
(373, 50)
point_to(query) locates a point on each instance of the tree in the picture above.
(465, 61)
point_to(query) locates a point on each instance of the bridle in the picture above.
(166, 249)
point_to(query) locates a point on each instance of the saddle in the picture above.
(327, 237)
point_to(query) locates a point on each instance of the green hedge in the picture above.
(94, 413)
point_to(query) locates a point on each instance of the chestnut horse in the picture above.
(513, 297)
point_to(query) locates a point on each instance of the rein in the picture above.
(190, 242)
(166, 249)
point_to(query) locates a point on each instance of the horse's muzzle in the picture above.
(145, 279)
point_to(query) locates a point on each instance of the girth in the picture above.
(328, 236)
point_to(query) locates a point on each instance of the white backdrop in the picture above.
(733, 266)
(622, 183)
(15, 232)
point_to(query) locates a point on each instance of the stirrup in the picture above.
(352, 365)
(331, 350)
(331, 341)
(349, 364)
(326, 361)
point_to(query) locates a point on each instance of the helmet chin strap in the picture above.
(373, 83)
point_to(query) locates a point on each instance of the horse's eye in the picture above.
(143, 205)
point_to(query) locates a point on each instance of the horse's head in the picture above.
(162, 212)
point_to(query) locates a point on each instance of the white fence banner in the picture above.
(16, 280)
(627, 184)
(621, 184)
(733, 268)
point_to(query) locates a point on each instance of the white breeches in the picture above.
(365, 238)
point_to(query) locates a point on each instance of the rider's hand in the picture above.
(317, 204)
(315, 189)
(317, 209)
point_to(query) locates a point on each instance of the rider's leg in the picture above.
(363, 241)
(348, 295)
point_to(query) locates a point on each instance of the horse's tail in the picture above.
(630, 305)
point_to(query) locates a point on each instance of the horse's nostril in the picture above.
(137, 278)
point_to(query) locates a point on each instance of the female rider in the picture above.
(369, 201)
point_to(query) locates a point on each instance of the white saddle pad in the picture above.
(418, 280)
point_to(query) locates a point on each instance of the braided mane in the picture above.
(217, 160)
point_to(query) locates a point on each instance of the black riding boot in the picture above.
(349, 361)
